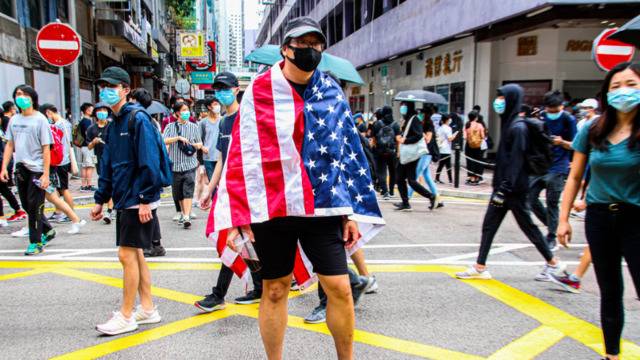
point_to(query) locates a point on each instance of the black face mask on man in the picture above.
(306, 59)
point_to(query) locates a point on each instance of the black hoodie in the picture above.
(511, 176)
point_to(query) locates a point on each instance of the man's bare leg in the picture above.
(131, 277)
(273, 315)
(360, 263)
(340, 313)
(144, 287)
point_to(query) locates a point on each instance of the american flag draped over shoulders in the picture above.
(291, 156)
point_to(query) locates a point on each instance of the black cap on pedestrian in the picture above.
(301, 26)
(225, 79)
(115, 76)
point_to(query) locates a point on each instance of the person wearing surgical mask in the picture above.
(510, 188)
(588, 112)
(210, 130)
(29, 135)
(179, 137)
(562, 127)
(610, 146)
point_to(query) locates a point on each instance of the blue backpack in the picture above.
(166, 175)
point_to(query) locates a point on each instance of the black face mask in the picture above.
(306, 59)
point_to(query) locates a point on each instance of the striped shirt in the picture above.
(182, 162)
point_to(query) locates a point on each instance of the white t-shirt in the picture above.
(29, 134)
(444, 132)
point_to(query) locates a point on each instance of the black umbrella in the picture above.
(629, 33)
(422, 96)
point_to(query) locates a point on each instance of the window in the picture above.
(456, 98)
(348, 18)
(36, 13)
(332, 26)
(408, 68)
(339, 22)
(357, 15)
(6, 7)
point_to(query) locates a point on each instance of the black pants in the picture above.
(519, 207)
(407, 173)
(613, 235)
(354, 280)
(5, 191)
(553, 183)
(445, 161)
(224, 281)
(32, 199)
(386, 163)
(474, 166)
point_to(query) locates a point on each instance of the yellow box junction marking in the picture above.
(530, 345)
(555, 323)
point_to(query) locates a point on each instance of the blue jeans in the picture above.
(425, 170)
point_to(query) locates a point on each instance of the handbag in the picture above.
(412, 152)
(187, 149)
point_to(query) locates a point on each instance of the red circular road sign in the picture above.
(608, 53)
(58, 44)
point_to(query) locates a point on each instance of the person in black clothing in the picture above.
(226, 90)
(407, 172)
(87, 159)
(384, 134)
(8, 110)
(96, 139)
(510, 187)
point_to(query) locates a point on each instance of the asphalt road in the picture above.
(51, 302)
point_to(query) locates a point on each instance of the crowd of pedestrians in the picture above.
(592, 162)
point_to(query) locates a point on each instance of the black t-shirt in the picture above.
(95, 131)
(5, 123)
(299, 88)
(224, 136)
(84, 125)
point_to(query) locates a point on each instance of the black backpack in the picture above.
(386, 140)
(539, 153)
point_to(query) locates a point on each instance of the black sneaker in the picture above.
(154, 251)
(210, 303)
(358, 289)
(402, 207)
(186, 222)
(252, 297)
(106, 218)
(432, 202)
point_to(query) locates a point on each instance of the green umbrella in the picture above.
(341, 68)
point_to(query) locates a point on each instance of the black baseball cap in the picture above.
(225, 79)
(302, 25)
(115, 76)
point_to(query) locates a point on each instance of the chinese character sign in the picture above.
(447, 64)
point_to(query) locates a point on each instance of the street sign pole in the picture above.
(61, 83)
(74, 74)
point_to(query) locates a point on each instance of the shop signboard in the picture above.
(191, 46)
(202, 77)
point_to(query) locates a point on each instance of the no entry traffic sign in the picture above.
(608, 53)
(58, 44)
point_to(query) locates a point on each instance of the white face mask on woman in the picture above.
(215, 109)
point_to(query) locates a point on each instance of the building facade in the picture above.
(131, 34)
(437, 46)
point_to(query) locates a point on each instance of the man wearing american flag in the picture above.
(296, 182)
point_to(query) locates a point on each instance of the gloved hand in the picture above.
(497, 199)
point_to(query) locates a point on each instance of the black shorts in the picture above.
(131, 233)
(63, 176)
(320, 237)
(183, 184)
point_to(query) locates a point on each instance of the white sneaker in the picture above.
(473, 273)
(547, 270)
(24, 232)
(177, 217)
(192, 215)
(373, 287)
(75, 227)
(118, 324)
(142, 317)
(3, 223)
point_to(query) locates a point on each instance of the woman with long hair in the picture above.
(610, 145)
(412, 131)
(474, 133)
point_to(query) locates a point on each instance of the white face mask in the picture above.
(215, 109)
